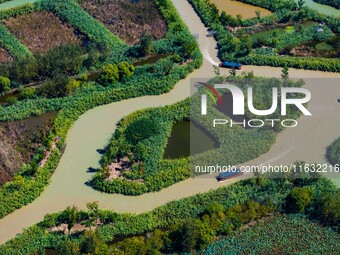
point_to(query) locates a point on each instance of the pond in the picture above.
(182, 142)
(51, 252)
(150, 60)
(234, 8)
(34, 124)
(227, 109)
(4, 99)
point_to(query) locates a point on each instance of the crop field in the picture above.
(4, 55)
(128, 19)
(41, 31)
(280, 235)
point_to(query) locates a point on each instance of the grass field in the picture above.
(128, 19)
(41, 31)
(284, 234)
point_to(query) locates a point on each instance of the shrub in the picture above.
(110, 74)
(298, 200)
(5, 84)
(333, 152)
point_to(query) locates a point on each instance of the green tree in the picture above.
(285, 73)
(145, 45)
(258, 14)
(331, 208)
(298, 199)
(110, 74)
(133, 246)
(28, 93)
(68, 247)
(333, 152)
(141, 129)
(246, 44)
(71, 217)
(72, 86)
(155, 242)
(224, 18)
(125, 70)
(5, 84)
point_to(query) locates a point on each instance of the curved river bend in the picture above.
(93, 130)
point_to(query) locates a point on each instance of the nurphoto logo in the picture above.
(239, 105)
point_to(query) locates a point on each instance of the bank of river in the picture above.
(93, 130)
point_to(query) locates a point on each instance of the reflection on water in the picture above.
(188, 139)
(150, 60)
(234, 8)
(35, 123)
(227, 109)
(4, 98)
(51, 252)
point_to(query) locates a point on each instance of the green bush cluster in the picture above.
(12, 44)
(333, 152)
(112, 73)
(142, 137)
(5, 84)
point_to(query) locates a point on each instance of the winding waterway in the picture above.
(93, 130)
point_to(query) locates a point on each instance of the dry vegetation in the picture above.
(4, 55)
(41, 31)
(18, 143)
(128, 19)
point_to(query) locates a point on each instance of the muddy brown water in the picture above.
(234, 8)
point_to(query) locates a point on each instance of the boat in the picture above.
(233, 65)
(223, 176)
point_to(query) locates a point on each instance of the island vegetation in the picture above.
(133, 162)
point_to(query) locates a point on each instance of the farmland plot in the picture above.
(41, 31)
(128, 19)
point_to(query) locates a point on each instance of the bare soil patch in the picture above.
(128, 19)
(5, 56)
(42, 31)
